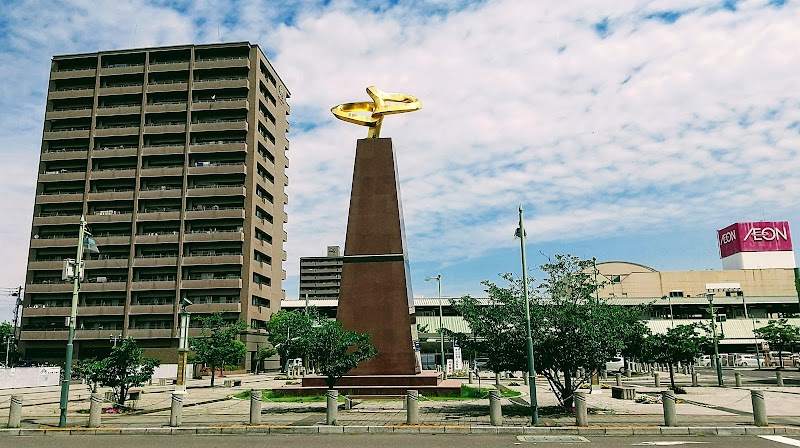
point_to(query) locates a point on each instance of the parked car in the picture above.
(749, 361)
(617, 364)
(775, 360)
(704, 361)
(480, 363)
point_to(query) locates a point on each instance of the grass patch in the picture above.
(473, 393)
(271, 395)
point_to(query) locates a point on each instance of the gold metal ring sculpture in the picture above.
(383, 103)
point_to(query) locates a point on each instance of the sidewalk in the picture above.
(216, 410)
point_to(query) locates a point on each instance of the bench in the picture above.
(623, 392)
(232, 383)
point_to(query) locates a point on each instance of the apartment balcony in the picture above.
(221, 104)
(167, 67)
(106, 152)
(35, 311)
(70, 74)
(122, 109)
(105, 263)
(64, 154)
(232, 168)
(164, 193)
(115, 240)
(117, 130)
(199, 237)
(168, 87)
(221, 190)
(208, 308)
(158, 333)
(82, 112)
(162, 150)
(38, 243)
(213, 147)
(49, 265)
(65, 311)
(212, 283)
(162, 172)
(104, 216)
(140, 262)
(87, 286)
(152, 309)
(221, 83)
(211, 213)
(122, 69)
(111, 196)
(167, 215)
(52, 219)
(222, 63)
(58, 198)
(121, 89)
(75, 92)
(208, 260)
(66, 133)
(152, 285)
(49, 335)
(220, 125)
(162, 128)
(55, 286)
(172, 106)
(155, 238)
(117, 173)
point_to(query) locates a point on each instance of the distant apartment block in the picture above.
(320, 276)
(177, 158)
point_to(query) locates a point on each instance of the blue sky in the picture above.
(627, 129)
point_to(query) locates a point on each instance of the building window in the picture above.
(676, 293)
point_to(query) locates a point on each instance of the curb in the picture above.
(419, 429)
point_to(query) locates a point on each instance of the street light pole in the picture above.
(438, 279)
(710, 298)
(529, 340)
(671, 316)
(76, 279)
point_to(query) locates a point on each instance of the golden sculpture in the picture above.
(383, 103)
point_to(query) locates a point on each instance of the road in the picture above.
(751, 376)
(391, 441)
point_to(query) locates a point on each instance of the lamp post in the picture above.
(529, 341)
(9, 338)
(671, 316)
(76, 280)
(183, 346)
(710, 297)
(114, 339)
(438, 279)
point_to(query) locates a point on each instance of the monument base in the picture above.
(427, 383)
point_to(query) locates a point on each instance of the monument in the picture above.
(375, 294)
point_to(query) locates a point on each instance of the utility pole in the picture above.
(529, 340)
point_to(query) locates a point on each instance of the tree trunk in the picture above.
(780, 357)
(213, 372)
(671, 376)
(566, 394)
(123, 393)
(330, 381)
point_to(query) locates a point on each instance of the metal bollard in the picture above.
(603, 374)
(628, 372)
(332, 414)
(470, 377)
(618, 378)
(694, 379)
(497, 378)
(685, 370)
(525, 379)
(348, 403)
(738, 377)
(657, 379)
(412, 411)
(779, 377)
(580, 409)
(95, 409)
(668, 401)
(15, 411)
(759, 408)
(255, 407)
(176, 409)
(495, 411)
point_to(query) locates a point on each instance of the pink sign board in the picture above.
(764, 236)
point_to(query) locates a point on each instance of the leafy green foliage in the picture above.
(572, 329)
(288, 331)
(124, 369)
(780, 334)
(6, 337)
(336, 351)
(682, 344)
(217, 346)
(261, 355)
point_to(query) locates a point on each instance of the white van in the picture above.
(617, 364)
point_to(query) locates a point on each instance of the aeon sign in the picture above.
(754, 237)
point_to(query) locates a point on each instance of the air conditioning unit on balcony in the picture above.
(101, 279)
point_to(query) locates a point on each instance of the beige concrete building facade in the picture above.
(177, 158)
(320, 277)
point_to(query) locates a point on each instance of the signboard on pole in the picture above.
(458, 362)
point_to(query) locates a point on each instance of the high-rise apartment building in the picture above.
(177, 158)
(320, 277)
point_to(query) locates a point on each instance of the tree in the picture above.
(288, 331)
(124, 369)
(635, 338)
(682, 343)
(261, 355)
(780, 334)
(217, 344)
(335, 351)
(7, 343)
(572, 329)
